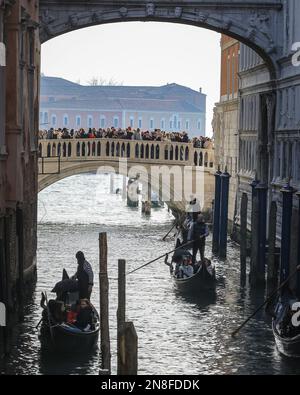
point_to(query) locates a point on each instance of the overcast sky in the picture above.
(139, 53)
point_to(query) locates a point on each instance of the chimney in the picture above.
(200, 90)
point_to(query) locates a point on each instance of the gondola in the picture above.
(63, 336)
(203, 280)
(287, 335)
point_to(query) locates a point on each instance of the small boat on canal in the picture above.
(69, 325)
(202, 278)
(286, 333)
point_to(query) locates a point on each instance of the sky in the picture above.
(139, 53)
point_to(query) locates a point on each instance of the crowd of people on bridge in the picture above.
(126, 134)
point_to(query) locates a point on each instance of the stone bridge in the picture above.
(177, 171)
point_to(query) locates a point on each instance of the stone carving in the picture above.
(96, 17)
(123, 12)
(73, 20)
(178, 12)
(259, 23)
(202, 17)
(150, 9)
(46, 21)
(46, 18)
(226, 23)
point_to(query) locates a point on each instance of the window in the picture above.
(66, 120)
(53, 120)
(179, 125)
(151, 123)
(90, 121)
(199, 124)
(162, 124)
(46, 119)
(131, 122)
(41, 117)
(140, 123)
(171, 124)
(102, 122)
(116, 122)
(78, 120)
(187, 124)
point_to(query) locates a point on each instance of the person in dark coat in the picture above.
(85, 276)
(197, 234)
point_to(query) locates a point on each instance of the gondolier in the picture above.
(85, 276)
(197, 235)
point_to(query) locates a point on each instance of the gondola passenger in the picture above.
(186, 269)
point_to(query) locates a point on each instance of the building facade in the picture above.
(171, 107)
(19, 103)
(226, 117)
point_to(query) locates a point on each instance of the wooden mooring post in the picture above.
(104, 306)
(243, 238)
(127, 337)
(272, 262)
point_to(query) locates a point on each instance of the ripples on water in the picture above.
(177, 334)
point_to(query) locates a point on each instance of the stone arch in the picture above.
(257, 28)
(92, 167)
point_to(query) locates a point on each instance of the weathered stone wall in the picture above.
(19, 91)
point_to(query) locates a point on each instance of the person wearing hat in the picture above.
(197, 235)
(85, 276)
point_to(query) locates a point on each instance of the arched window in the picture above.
(116, 121)
(90, 121)
(151, 125)
(54, 120)
(131, 121)
(78, 121)
(102, 121)
(66, 120)
(196, 159)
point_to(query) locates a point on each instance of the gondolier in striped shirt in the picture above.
(85, 276)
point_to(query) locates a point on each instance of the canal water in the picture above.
(177, 334)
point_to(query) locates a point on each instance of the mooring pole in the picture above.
(225, 179)
(217, 212)
(254, 230)
(298, 274)
(262, 192)
(272, 273)
(243, 238)
(121, 313)
(104, 305)
(287, 209)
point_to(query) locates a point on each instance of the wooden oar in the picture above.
(266, 302)
(160, 257)
(164, 238)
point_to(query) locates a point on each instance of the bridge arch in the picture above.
(109, 167)
(252, 22)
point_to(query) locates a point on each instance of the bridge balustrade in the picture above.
(134, 150)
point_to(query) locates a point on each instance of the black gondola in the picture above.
(287, 335)
(203, 279)
(65, 337)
